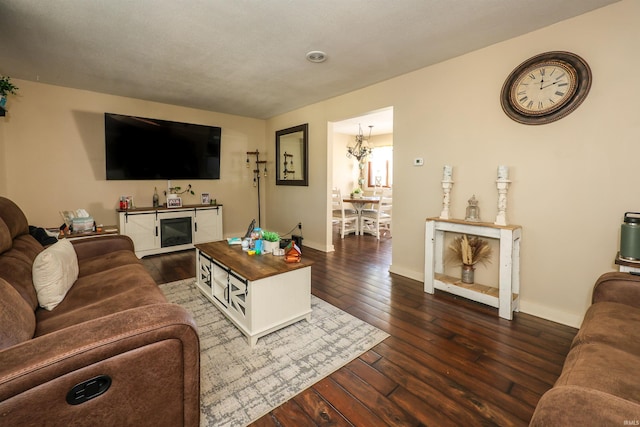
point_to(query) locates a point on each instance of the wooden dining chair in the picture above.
(377, 220)
(347, 219)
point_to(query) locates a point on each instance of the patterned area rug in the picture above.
(238, 384)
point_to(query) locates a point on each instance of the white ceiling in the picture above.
(247, 57)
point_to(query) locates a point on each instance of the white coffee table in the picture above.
(259, 294)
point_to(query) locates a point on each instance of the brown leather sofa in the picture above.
(113, 352)
(600, 380)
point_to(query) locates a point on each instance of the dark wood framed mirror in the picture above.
(292, 156)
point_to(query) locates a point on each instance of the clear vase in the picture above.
(467, 273)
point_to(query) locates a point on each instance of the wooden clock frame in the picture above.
(581, 73)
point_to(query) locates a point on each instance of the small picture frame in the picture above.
(174, 202)
(205, 198)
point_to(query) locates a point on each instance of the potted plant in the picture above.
(356, 193)
(469, 251)
(6, 87)
(271, 241)
(176, 191)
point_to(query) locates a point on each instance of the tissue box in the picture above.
(82, 224)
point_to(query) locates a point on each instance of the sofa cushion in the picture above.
(55, 270)
(611, 323)
(16, 267)
(14, 218)
(97, 264)
(101, 294)
(5, 237)
(17, 319)
(604, 368)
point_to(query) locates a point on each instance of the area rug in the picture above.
(238, 384)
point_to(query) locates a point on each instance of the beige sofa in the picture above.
(111, 352)
(600, 380)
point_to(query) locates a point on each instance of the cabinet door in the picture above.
(220, 283)
(208, 224)
(238, 293)
(141, 228)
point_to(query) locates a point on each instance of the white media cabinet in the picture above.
(161, 230)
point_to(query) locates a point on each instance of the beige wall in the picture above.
(53, 139)
(572, 179)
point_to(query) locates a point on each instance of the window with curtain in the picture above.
(381, 167)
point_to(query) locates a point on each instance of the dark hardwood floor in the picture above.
(448, 361)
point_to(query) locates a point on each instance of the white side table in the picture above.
(506, 296)
(626, 266)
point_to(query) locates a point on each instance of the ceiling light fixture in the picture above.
(361, 150)
(316, 56)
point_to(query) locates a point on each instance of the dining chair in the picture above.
(347, 219)
(379, 219)
(371, 207)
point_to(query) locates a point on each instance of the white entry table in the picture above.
(506, 296)
(259, 294)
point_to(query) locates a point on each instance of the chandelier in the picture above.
(361, 150)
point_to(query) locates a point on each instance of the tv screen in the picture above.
(138, 148)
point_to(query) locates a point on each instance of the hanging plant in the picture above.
(6, 87)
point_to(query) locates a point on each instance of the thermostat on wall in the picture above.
(418, 161)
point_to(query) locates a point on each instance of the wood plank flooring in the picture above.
(448, 361)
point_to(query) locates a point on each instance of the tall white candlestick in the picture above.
(503, 172)
(447, 173)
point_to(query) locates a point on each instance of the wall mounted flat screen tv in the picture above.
(138, 148)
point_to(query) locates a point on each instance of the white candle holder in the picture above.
(446, 200)
(503, 187)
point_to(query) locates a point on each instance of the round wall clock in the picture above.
(545, 88)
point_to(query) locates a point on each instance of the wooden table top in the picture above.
(374, 200)
(251, 267)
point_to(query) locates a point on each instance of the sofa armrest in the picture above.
(97, 246)
(617, 287)
(580, 406)
(150, 353)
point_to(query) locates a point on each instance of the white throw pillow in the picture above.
(55, 270)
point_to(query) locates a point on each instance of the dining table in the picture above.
(358, 204)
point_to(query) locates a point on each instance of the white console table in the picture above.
(506, 296)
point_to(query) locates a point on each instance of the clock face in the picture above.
(543, 88)
(546, 88)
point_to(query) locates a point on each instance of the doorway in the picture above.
(371, 173)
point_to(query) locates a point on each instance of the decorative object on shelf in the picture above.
(292, 253)
(447, 183)
(6, 88)
(503, 186)
(473, 211)
(205, 198)
(174, 192)
(546, 88)
(126, 202)
(271, 241)
(156, 198)
(174, 202)
(292, 156)
(469, 251)
(256, 175)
